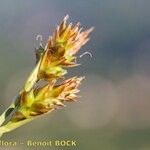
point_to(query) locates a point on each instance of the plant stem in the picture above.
(10, 109)
(32, 79)
(13, 125)
(29, 84)
(3, 115)
(10, 126)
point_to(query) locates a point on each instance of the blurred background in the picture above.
(114, 110)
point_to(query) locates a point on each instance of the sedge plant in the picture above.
(52, 61)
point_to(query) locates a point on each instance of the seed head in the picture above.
(61, 49)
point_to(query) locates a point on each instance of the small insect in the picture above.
(40, 50)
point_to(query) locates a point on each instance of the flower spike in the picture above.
(36, 99)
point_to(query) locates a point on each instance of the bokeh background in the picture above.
(114, 110)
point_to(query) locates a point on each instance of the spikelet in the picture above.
(60, 50)
(47, 98)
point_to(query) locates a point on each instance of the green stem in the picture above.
(28, 86)
(10, 109)
(10, 126)
(33, 78)
(13, 125)
(3, 115)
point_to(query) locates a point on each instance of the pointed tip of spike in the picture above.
(91, 29)
(81, 78)
(66, 17)
(88, 31)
